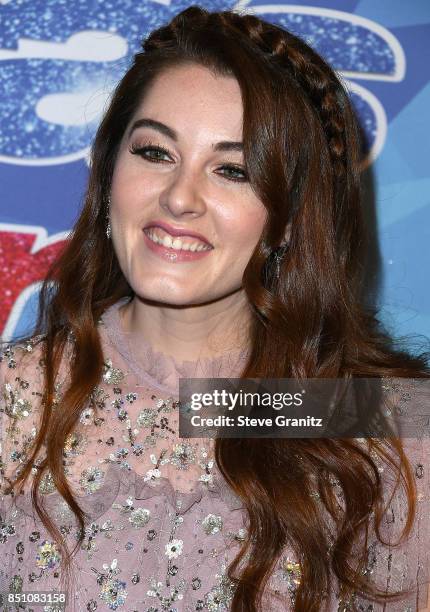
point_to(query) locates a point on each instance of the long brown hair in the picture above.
(302, 154)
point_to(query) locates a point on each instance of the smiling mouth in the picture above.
(176, 243)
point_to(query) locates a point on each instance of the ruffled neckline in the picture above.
(119, 482)
(155, 367)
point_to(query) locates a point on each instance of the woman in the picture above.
(221, 235)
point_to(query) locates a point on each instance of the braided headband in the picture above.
(315, 78)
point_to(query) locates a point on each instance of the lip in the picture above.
(177, 231)
(172, 255)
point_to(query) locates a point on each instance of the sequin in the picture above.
(212, 524)
(113, 590)
(47, 556)
(16, 406)
(174, 548)
(219, 598)
(139, 517)
(6, 531)
(75, 445)
(113, 593)
(196, 583)
(147, 417)
(419, 471)
(241, 535)
(152, 474)
(292, 572)
(111, 375)
(47, 484)
(182, 456)
(91, 479)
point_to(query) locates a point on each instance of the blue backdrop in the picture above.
(59, 61)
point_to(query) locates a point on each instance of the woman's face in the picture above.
(180, 165)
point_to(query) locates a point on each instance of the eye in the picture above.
(151, 152)
(238, 171)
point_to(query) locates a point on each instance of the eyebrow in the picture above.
(225, 145)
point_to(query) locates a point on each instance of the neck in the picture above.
(186, 333)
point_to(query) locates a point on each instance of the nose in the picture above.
(183, 194)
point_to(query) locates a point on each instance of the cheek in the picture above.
(244, 230)
(130, 185)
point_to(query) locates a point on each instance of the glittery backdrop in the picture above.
(59, 61)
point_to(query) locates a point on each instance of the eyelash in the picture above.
(141, 150)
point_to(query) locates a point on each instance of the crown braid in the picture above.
(312, 74)
(316, 79)
(172, 34)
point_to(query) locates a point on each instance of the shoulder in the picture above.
(21, 389)
(21, 371)
(18, 356)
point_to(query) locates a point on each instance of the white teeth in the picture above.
(150, 233)
(176, 243)
(167, 241)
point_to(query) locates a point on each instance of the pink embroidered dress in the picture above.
(163, 524)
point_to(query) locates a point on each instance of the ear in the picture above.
(287, 234)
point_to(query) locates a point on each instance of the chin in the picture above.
(172, 298)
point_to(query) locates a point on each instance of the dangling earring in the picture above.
(278, 254)
(271, 268)
(108, 226)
